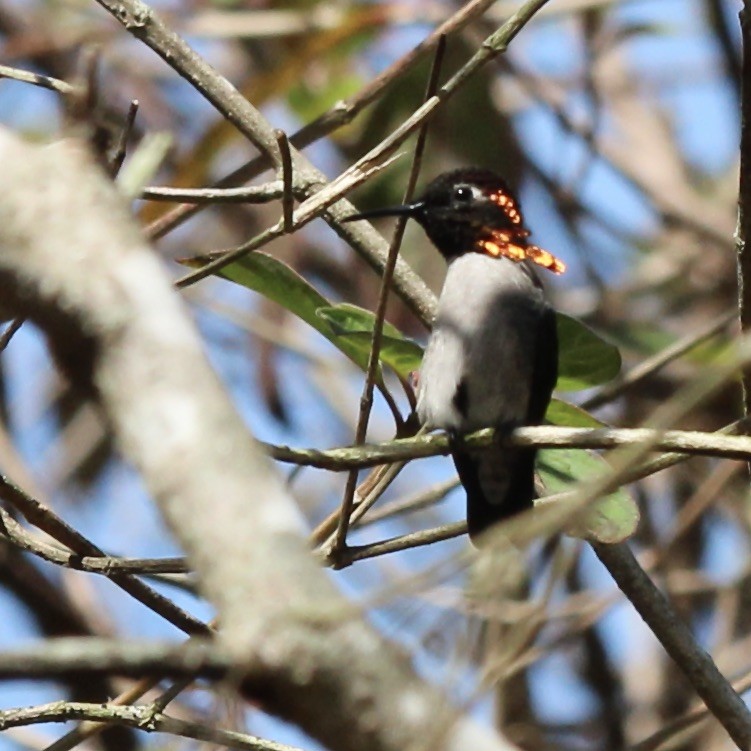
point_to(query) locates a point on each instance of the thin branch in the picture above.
(342, 113)
(495, 44)
(144, 717)
(10, 331)
(366, 400)
(144, 23)
(45, 519)
(384, 478)
(305, 213)
(691, 718)
(415, 502)
(272, 191)
(105, 565)
(355, 553)
(653, 364)
(89, 728)
(676, 638)
(45, 82)
(141, 21)
(743, 237)
(121, 146)
(540, 436)
(288, 198)
(100, 656)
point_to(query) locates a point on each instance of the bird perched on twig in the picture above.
(492, 358)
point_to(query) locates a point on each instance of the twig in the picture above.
(351, 555)
(384, 479)
(288, 198)
(743, 238)
(141, 21)
(342, 113)
(326, 528)
(366, 400)
(676, 638)
(686, 721)
(142, 717)
(494, 45)
(305, 213)
(10, 331)
(272, 191)
(118, 153)
(653, 364)
(89, 728)
(45, 82)
(44, 518)
(104, 565)
(98, 656)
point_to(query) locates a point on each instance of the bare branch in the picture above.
(118, 328)
(45, 82)
(542, 436)
(142, 717)
(743, 238)
(209, 196)
(676, 638)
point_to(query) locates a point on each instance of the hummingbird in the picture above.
(492, 356)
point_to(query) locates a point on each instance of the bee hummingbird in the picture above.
(492, 357)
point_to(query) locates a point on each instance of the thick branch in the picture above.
(72, 261)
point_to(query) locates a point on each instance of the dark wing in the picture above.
(545, 369)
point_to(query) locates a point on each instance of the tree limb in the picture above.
(72, 261)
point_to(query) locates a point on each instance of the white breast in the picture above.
(483, 336)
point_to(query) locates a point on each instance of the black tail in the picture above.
(499, 484)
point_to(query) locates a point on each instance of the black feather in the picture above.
(500, 483)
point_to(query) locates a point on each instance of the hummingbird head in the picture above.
(471, 210)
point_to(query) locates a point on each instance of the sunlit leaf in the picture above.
(346, 318)
(278, 282)
(571, 416)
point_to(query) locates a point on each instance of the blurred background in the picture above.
(617, 123)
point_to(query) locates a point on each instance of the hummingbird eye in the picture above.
(463, 194)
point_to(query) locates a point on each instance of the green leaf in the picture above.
(402, 355)
(611, 519)
(584, 359)
(348, 327)
(347, 318)
(570, 416)
(355, 325)
(278, 282)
